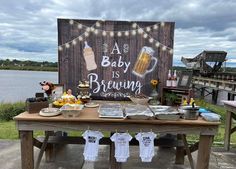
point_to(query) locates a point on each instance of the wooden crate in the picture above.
(35, 107)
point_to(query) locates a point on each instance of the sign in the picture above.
(118, 58)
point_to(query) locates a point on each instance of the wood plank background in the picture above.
(72, 67)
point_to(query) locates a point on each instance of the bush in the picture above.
(9, 110)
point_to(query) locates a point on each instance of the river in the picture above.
(18, 85)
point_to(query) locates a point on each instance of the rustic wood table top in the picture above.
(91, 115)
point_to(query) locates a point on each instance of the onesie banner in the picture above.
(118, 58)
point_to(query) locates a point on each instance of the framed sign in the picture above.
(185, 79)
(118, 58)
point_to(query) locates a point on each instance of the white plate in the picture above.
(91, 105)
(49, 112)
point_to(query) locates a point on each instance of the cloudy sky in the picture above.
(28, 28)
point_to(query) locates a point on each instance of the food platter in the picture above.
(49, 112)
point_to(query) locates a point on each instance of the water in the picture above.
(18, 85)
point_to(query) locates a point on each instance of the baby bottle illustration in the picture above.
(89, 57)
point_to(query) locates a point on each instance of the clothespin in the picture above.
(88, 128)
(116, 131)
(151, 130)
(127, 131)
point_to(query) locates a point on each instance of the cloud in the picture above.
(28, 28)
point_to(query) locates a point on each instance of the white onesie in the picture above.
(91, 145)
(121, 141)
(146, 145)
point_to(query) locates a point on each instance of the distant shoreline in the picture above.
(31, 68)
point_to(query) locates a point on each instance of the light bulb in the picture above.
(67, 45)
(164, 48)
(92, 29)
(111, 34)
(80, 26)
(96, 31)
(148, 29)
(119, 34)
(80, 38)
(74, 42)
(60, 48)
(88, 29)
(171, 51)
(140, 30)
(157, 44)
(134, 25)
(145, 35)
(133, 32)
(162, 24)
(155, 27)
(86, 34)
(98, 24)
(126, 33)
(104, 33)
(71, 22)
(151, 40)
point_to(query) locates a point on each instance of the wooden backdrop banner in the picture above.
(118, 58)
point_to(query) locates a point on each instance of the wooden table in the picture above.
(230, 115)
(27, 123)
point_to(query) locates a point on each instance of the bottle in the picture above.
(168, 81)
(174, 80)
(89, 57)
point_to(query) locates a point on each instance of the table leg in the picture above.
(227, 130)
(179, 154)
(27, 149)
(204, 150)
(49, 151)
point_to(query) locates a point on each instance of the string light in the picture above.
(98, 24)
(148, 29)
(151, 40)
(133, 32)
(134, 25)
(92, 29)
(60, 48)
(145, 35)
(111, 34)
(80, 26)
(164, 48)
(143, 31)
(162, 24)
(74, 42)
(88, 29)
(86, 34)
(67, 45)
(140, 30)
(96, 31)
(71, 22)
(80, 38)
(119, 34)
(157, 44)
(104, 33)
(155, 27)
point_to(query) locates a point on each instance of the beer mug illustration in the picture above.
(89, 57)
(143, 62)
